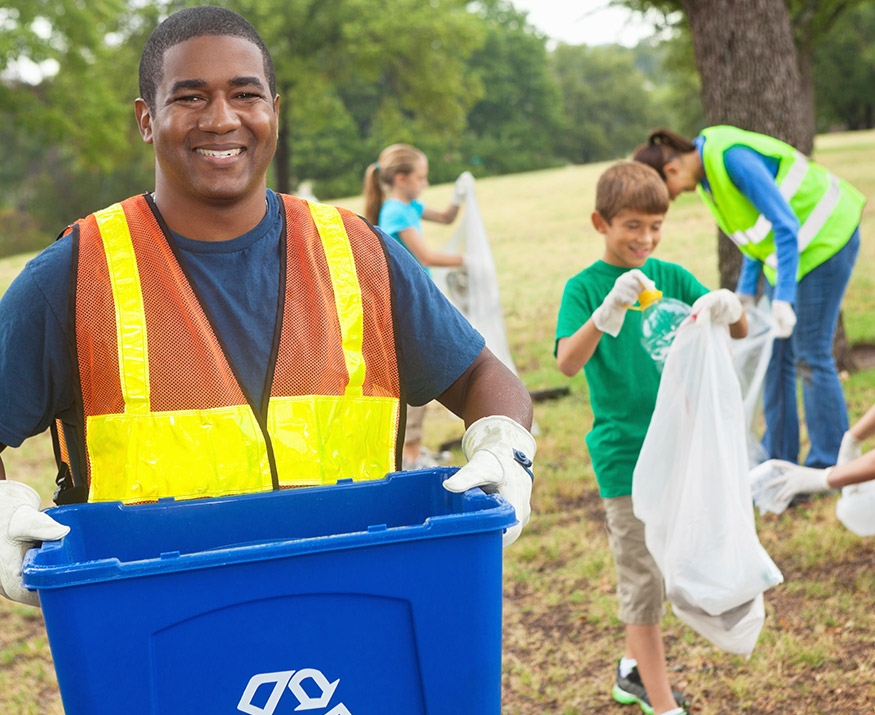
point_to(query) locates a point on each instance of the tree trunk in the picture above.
(805, 61)
(751, 78)
(748, 65)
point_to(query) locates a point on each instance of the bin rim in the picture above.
(483, 512)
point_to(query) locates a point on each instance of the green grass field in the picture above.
(561, 634)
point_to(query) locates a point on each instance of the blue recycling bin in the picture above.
(365, 598)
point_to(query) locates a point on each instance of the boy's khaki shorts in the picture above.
(640, 586)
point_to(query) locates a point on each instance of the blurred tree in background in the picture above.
(844, 73)
(472, 83)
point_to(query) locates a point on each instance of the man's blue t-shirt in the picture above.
(239, 282)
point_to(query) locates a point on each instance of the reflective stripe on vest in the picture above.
(828, 208)
(815, 221)
(140, 454)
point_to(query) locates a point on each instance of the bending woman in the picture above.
(798, 224)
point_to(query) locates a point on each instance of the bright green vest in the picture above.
(828, 208)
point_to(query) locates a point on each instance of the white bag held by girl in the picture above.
(691, 490)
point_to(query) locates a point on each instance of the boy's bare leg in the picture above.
(644, 644)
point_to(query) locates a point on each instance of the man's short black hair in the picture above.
(187, 24)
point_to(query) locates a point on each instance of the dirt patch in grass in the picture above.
(863, 355)
(815, 653)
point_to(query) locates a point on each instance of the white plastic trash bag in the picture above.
(736, 631)
(750, 358)
(856, 508)
(473, 288)
(765, 497)
(691, 489)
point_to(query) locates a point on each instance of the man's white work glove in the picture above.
(785, 318)
(500, 453)
(721, 306)
(464, 184)
(801, 480)
(850, 449)
(609, 316)
(22, 524)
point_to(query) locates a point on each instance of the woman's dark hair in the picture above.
(662, 146)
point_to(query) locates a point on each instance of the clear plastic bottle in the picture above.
(660, 319)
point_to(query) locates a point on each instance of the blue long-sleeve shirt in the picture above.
(754, 175)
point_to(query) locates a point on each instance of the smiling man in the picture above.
(213, 337)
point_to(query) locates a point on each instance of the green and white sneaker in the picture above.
(630, 691)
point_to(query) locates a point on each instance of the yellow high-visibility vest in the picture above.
(164, 413)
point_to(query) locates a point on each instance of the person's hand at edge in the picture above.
(22, 526)
(800, 480)
(500, 453)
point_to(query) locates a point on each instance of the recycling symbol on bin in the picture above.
(294, 681)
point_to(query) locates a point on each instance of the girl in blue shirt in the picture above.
(392, 187)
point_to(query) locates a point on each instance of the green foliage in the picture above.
(844, 72)
(513, 126)
(75, 143)
(388, 76)
(85, 46)
(473, 84)
(678, 90)
(608, 109)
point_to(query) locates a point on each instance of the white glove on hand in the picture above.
(464, 184)
(22, 524)
(609, 316)
(500, 453)
(722, 307)
(850, 449)
(785, 318)
(801, 480)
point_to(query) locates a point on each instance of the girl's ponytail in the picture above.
(373, 193)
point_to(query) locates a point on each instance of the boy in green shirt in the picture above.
(596, 332)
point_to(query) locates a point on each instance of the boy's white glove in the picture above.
(609, 316)
(850, 449)
(500, 453)
(721, 306)
(785, 318)
(22, 525)
(464, 184)
(801, 480)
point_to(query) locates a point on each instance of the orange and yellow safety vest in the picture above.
(165, 415)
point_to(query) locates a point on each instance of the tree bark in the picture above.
(748, 65)
(751, 78)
